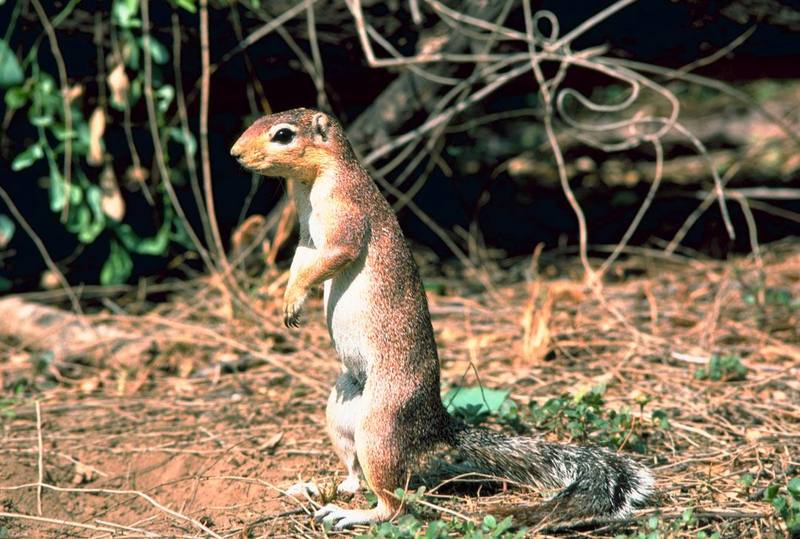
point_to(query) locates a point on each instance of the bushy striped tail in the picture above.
(591, 481)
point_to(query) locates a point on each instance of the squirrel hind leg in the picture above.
(383, 454)
(343, 412)
(340, 519)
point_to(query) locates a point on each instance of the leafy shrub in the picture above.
(61, 125)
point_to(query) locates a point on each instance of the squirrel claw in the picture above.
(340, 519)
(293, 308)
(291, 315)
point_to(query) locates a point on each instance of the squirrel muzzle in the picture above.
(295, 145)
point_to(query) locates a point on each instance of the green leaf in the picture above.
(155, 245)
(7, 228)
(180, 236)
(131, 51)
(61, 133)
(189, 142)
(89, 232)
(746, 480)
(28, 157)
(117, 267)
(137, 87)
(10, 70)
(165, 95)
(794, 487)
(16, 97)
(82, 131)
(46, 85)
(78, 219)
(157, 51)
(127, 236)
(188, 5)
(504, 525)
(123, 13)
(436, 529)
(487, 400)
(436, 287)
(42, 120)
(771, 491)
(57, 192)
(779, 503)
(75, 194)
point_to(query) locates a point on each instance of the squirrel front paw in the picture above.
(293, 302)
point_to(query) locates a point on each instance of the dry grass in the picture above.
(174, 445)
(177, 443)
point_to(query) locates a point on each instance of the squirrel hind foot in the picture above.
(341, 519)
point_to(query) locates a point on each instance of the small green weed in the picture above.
(746, 481)
(8, 405)
(772, 297)
(655, 528)
(722, 368)
(413, 525)
(474, 405)
(583, 416)
(785, 499)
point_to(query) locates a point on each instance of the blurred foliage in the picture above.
(90, 207)
(727, 368)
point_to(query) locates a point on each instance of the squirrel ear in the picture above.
(321, 124)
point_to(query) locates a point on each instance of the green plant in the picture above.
(583, 417)
(785, 499)
(655, 528)
(81, 183)
(413, 525)
(7, 408)
(773, 297)
(8, 405)
(474, 404)
(746, 481)
(722, 368)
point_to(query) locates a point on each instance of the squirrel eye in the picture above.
(283, 136)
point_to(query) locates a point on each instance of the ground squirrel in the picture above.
(385, 410)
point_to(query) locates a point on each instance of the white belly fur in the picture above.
(346, 303)
(346, 297)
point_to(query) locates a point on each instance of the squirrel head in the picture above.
(297, 144)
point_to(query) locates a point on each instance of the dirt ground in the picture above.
(175, 444)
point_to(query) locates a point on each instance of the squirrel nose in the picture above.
(236, 149)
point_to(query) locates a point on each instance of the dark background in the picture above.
(515, 218)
